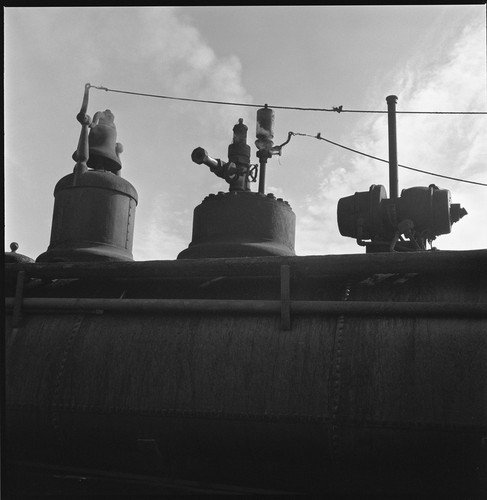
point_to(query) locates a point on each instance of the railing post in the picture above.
(285, 298)
(19, 292)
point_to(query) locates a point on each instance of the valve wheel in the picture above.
(252, 173)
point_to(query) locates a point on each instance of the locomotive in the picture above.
(240, 367)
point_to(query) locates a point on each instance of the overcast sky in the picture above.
(432, 57)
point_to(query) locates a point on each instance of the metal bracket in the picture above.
(285, 298)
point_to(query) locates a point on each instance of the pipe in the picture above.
(263, 155)
(391, 118)
(262, 169)
(82, 152)
(199, 156)
(332, 308)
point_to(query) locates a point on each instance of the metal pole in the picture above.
(263, 155)
(391, 116)
(262, 176)
(82, 152)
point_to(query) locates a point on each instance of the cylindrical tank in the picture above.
(92, 220)
(339, 404)
(241, 224)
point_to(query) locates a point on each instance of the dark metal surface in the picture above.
(92, 221)
(391, 404)
(405, 223)
(104, 150)
(420, 214)
(239, 150)
(446, 262)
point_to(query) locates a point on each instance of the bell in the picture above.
(104, 150)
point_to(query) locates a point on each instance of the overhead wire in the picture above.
(337, 109)
(334, 109)
(318, 136)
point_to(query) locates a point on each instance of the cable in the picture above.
(175, 98)
(338, 109)
(335, 109)
(318, 136)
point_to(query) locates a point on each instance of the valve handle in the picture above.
(252, 173)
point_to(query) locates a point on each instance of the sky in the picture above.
(433, 58)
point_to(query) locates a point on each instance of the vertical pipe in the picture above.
(82, 152)
(262, 175)
(391, 115)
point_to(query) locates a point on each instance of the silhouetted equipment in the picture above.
(239, 223)
(237, 171)
(14, 257)
(239, 150)
(264, 142)
(420, 214)
(336, 374)
(94, 210)
(265, 129)
(103, 146)
(237, 179)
